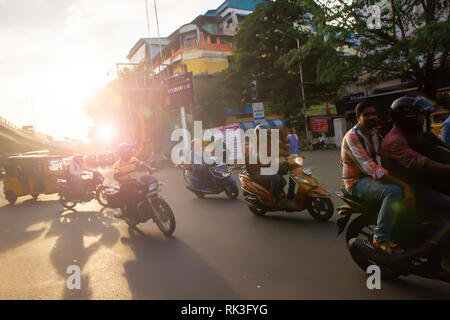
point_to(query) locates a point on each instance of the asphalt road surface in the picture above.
(219, 250)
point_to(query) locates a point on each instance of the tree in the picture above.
(267, 59)
(214, 93)
(411, 42)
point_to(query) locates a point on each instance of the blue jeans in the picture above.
(390, 195)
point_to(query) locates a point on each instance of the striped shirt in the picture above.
(359, 157)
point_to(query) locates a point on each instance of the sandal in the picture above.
(388, 247)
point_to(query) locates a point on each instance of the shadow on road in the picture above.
(16, 220)
(70, 249)
(169, 269)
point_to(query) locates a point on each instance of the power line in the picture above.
(159, 36)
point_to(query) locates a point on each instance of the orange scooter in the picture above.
(309, 195)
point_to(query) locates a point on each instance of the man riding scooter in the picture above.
(275, 181)
(429, 178)
(364, 178)
(125, 170)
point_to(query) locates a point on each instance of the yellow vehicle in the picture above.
(31, 175)
(437, 119)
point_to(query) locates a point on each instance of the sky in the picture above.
(52, 52)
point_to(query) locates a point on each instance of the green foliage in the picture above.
(413, 42)
(268, 59)
(214, 93)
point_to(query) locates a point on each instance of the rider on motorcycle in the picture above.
(427, 176)
(364, 178)
(125, 171)
(276, 180)
(76, 170)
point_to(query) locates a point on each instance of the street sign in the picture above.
(258, 112)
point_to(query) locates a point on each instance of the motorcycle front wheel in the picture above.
(100, 196)
(65, 203)
(163, 216)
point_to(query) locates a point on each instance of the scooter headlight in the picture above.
(153, 186)
(299, 161)
(301, 179)
(308, 172)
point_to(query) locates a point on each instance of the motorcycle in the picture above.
(94, 189)
(423, 249)
(150, 205)
(218, 181)
(309, 195)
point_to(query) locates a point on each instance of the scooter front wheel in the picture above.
(257, 211)
(321, 209)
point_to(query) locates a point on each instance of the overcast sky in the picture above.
(53, 51)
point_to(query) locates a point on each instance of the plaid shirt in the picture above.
(359, 157)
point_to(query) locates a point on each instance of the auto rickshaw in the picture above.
(31, 175)
(437, 120)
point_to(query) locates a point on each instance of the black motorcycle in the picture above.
(150, 205)
(94, 189)
(420, 236)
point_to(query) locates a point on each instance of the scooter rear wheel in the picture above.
(201, 195)
(232, 191)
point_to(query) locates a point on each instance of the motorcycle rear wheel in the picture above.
(363, 229)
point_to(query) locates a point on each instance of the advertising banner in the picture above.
(319, 125)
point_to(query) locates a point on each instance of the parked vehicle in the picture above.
(420, 238)
(150, 204)
(94, 189)
(309, 194)
(216, 179)
(31, 174)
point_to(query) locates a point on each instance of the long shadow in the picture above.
(69, 249)
(170, 269)
(16, 220)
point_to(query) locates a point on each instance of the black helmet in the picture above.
(405, 108)
(125, 150)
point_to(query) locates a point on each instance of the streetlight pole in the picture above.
(303, 94)
(301, 83)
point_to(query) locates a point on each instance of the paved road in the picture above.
(219, 251)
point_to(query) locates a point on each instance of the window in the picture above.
(190, 42)
(229, 22)
(213, 40)
(222, 41)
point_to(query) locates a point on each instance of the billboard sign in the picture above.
(319, 125)
(180, 90)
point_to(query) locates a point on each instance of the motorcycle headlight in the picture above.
(301, 179)
(226, 174)
(153, 186)
(308, 172)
